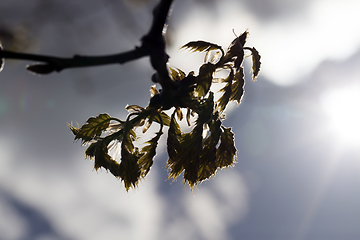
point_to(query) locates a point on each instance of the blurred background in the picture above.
(297, 129)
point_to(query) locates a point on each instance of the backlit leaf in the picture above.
(207, 165)
(148, 153)
(256, 63)
(103, 159)
(92, 128)
(224, 99)
(134, 108)
(176, 74)
(129, 169)
(164, 117)
(204, 78)
(237, 88)
(201, 46)
(226, 152)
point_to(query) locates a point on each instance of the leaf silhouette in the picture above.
(207, 160)
(129, 169)
(226, 152)
(201, 46)
(40, 68)
(92, 128)
(134, 108)
(147, 154)
(224, 99)
(237, 88)
(176, 74)
(165, 119)
(204, 79)
(256, 63)
(174, 149)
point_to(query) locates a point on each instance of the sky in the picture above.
(296, 130)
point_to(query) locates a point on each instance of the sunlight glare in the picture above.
(342, 108)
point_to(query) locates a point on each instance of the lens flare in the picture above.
(342, 107)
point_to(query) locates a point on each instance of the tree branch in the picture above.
(153, 45)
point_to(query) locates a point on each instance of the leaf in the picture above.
(103, 159)
(226, 152)
(235, 50)
(224, 99)
(176, 74)
(204, 79)
(40, 68)
(237, 88)
(92, 128)
(208, 154)
(129, 169)
(148, 153)
(256, 63)
(153, 91)
(134, 108)
(173, 140)
(179, 113)
(201, 46)
(164, 117)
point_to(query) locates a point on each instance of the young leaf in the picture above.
(226, 152)
(103, 159)
(92, 128)
(176, 74)
(129, 169)
(165, 119)
(224, 99)
(174, 147)
(204, 78)
(40, 68)
(256, 63)
(201, 46)
(148, 153)
(207, 165)
(237, 88)
(134, 108)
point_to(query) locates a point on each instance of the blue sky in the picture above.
(297, 174)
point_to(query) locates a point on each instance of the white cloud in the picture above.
(291, 46)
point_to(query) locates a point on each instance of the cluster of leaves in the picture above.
(208, 147)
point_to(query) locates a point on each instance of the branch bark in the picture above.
(153, 45)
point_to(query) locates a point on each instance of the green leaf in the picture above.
(147, 154)
(237, 88)
(129, 169)
(201, 46)
(176, 74)
(103, 159)
(226, 152)
(174, 148)
(93, 128)
(165, 119)
(207, 165)
(204, 79)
